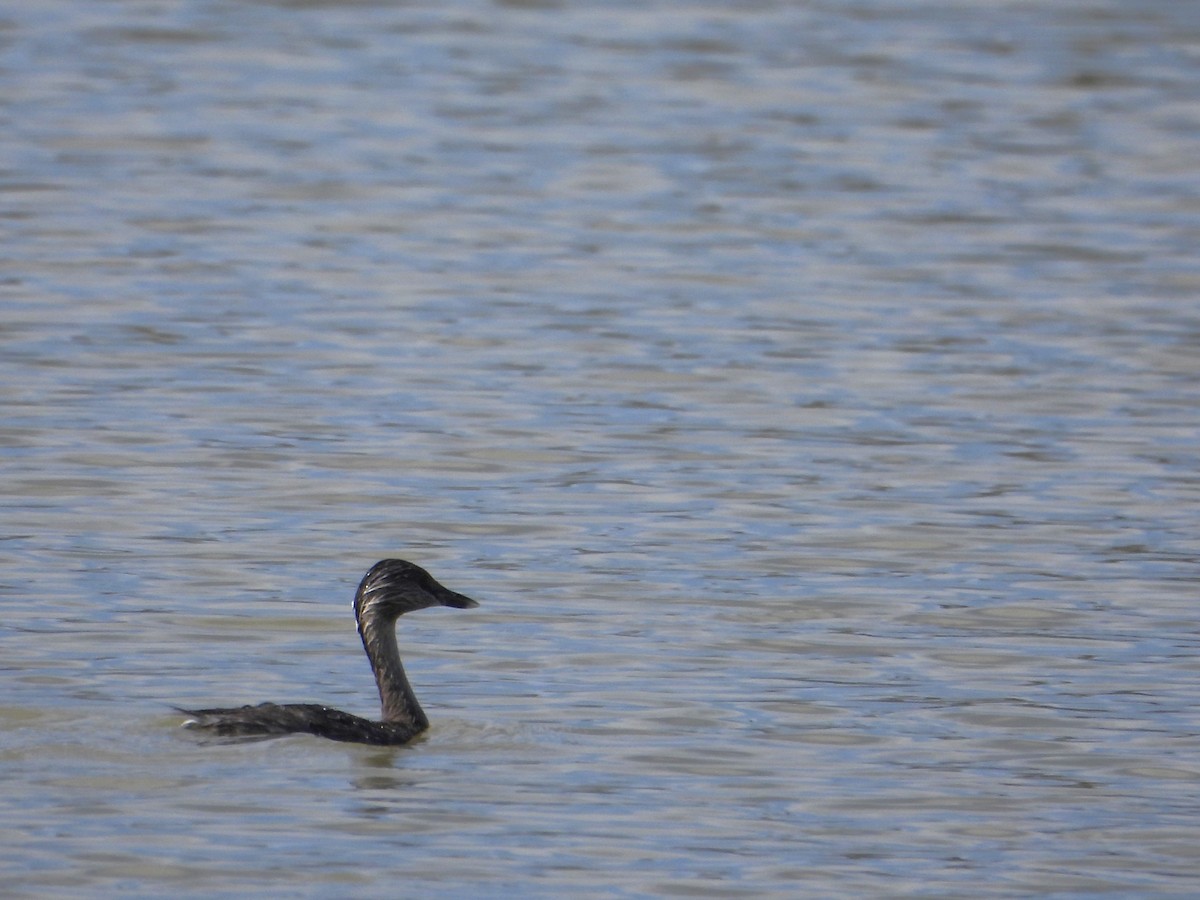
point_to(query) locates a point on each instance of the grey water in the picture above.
(809, 392)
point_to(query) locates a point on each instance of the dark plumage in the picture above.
(391, 588)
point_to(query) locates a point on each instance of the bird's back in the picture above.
(270, 719)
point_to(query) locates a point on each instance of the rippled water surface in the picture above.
(809, 392)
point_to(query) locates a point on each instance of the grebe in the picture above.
(391, 588)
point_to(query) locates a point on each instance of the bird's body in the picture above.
(271, 719)
(391, 588)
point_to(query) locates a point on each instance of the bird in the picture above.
(391, 588)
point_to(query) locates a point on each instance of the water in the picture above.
(808, 392)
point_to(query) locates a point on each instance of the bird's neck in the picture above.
(396, 695)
